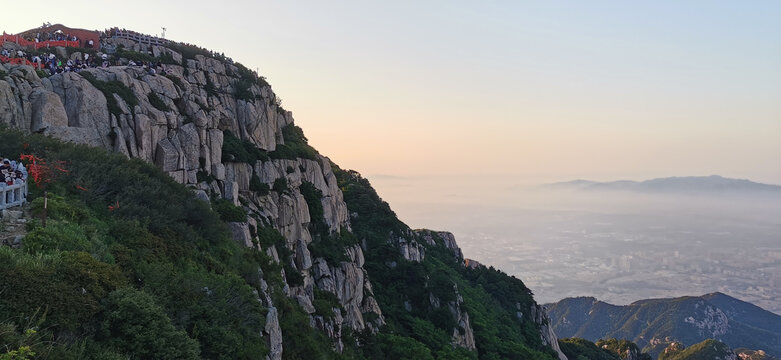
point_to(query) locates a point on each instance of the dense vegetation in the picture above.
(157, 102)
(156, 277)
(164, 58)
(624, 348)
(706, 350)
(237, 150)
(296, 145)
(582, 349)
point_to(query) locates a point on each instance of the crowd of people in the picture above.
(54, 64)
(48, 60)
(12, 172)
(55, 36)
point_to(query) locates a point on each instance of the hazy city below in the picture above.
(618, 246)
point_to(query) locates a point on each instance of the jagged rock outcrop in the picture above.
(349, 282)
(445, 238)
(272, 331)
(411, 250)
(711, 322)
(540, 317)
(472, 264)
(241, 233)
(463, 335)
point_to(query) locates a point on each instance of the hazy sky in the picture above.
(519, 90)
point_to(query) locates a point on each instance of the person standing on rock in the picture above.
(6, 166)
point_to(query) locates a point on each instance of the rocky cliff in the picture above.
(198, 122)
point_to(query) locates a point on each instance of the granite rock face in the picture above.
(540, 317)
(184, 137)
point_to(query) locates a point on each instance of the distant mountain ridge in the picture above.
(685, 184)
(652, 322)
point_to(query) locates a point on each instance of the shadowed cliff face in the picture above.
(194, 123)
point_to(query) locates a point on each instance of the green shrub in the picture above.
(296, 145)
(301, 341)
(390, 346)
(575, 348)
(58, 208)
(66, 286)
(210, 89)
(57, 236)
(167, 58)
(229, 212)
(22, 353)
(280, 185)
(203, 176)
(313, 197)
(294, 278)
(135, 325)
(257, 186)
(243, 90)
(176, 80)
(250, 77)
(621, 347)
(3, 74)
(332, 247)
(134, 55)
(325, 302)
(425, 332)
(189, 51)
(220, 308)
(237, 150)
(157, 102)
(441, 286)
(268, 237)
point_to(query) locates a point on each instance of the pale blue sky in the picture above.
(539, 91)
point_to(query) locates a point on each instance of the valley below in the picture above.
(619, 248)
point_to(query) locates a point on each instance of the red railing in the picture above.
(22, 41)
(20, 61)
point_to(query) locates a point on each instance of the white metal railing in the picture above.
(13, 195)
(140, 38)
